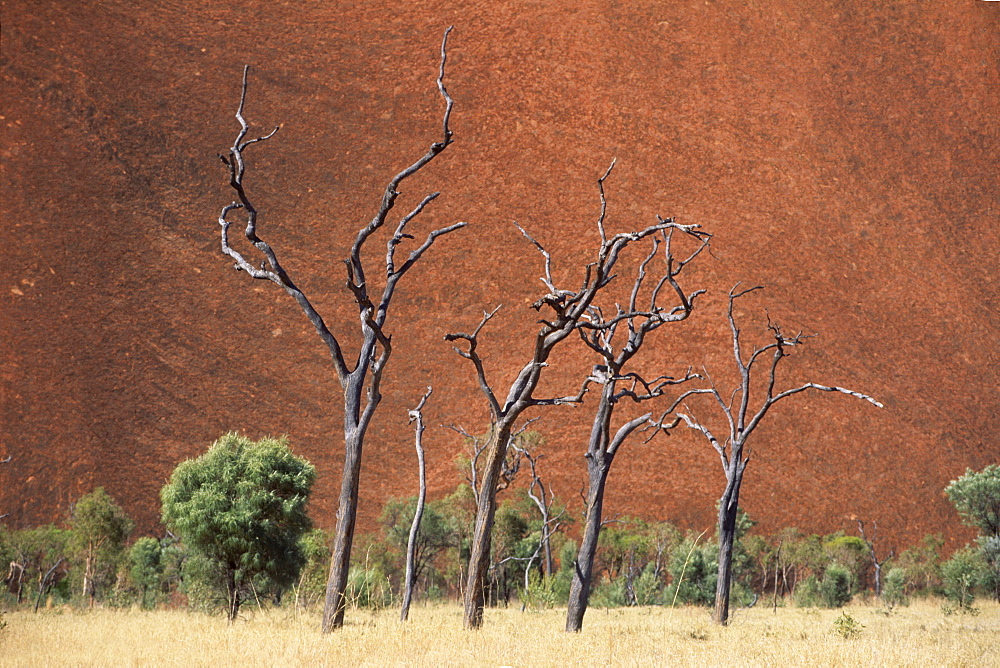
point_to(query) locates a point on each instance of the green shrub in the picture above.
(807, 593)
(368, 588)
(894, 588)
(960, 575)
(835, 589)
(847, 627)
(693, 570)
(241, 507)
(146, 570)
(540, 594)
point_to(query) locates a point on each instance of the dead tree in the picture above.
(598, 332)
(566, 311)
(741, 422)
(550, 524)
(361, 378)
(418, 514)
(876, 562)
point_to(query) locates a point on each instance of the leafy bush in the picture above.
(100, 530)
(835, 589)
(894, 588)
(961, 575)
(693, 570)
(847, 627)
(807, 593)
(240, 508)
(368, 588)
(146, 570)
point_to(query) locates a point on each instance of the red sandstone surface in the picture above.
(844, 154)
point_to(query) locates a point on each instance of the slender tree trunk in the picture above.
(728, 507)
(88, 576)
(418, 514)
(234, 595)
(583, 567)
(347, 511)
(479, 559)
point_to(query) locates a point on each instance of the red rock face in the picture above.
(843, 154)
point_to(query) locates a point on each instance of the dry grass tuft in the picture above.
(920, 635)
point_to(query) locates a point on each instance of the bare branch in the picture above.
(473, 355)
(604, 201)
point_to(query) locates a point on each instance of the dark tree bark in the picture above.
(418, 514)
(741, 422)
(360, 379)
(566, 312)
(599, 334)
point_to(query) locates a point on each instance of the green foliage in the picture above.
(100, 529)
(368, 588)
(563, 578)
(97, 520)
(807, 593)
(541, 593)
(240, 510)
(976, 496)
(847, 627)
(921, 564)
(38, 550)
(894, 588)
(437, 533)
(311, 587)
(694, 570)
(849, 552)
(961, 574)
(835, 589)
(146, 569)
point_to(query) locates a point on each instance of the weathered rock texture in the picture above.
(842, 153)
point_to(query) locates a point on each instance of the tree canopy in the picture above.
(976, 496)
(242, 506)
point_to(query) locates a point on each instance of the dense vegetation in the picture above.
(237, 516)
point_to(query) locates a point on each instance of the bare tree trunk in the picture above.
(583, 567)
(418, 514)
(233, 590)
(347, 511)
(479, 558)
(728, 509)
(375, 348)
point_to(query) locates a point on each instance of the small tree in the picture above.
(146, 569)
(741, 422)
(242, 507)
(100, 529)
(976, 496)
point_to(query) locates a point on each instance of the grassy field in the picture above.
(919, 635)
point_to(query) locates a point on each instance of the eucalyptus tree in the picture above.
(241, 507)
(566, 311)
(741, 421)
(360, 378)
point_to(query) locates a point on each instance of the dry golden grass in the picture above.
(919, 635)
